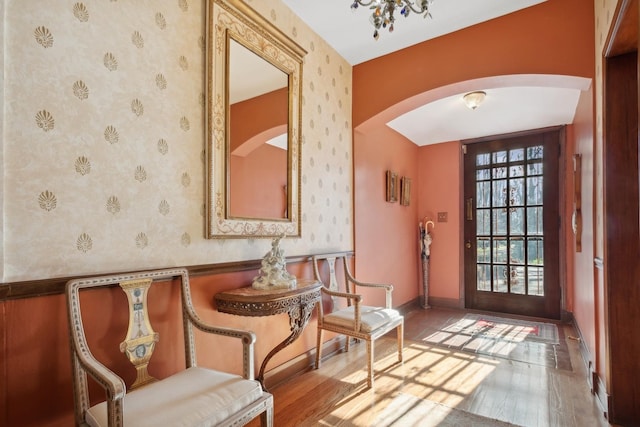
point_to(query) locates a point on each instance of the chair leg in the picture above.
(348, 343)
(400, 332)
(319, 347)
(370, 347)
(266, 418)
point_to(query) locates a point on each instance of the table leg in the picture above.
(299, 315)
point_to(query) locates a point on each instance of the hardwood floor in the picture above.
(437, 386)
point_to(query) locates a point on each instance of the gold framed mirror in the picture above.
(253, 122)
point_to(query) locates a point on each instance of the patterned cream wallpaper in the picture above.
(104, 139)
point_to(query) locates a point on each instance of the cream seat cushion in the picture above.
(193, 397)
(371, 318)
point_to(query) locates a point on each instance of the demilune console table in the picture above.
(298, 303)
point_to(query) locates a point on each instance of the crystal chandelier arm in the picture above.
(365, 3)
(424, 6)
(383, 11)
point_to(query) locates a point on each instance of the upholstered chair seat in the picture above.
(371, 318)
(193, 397)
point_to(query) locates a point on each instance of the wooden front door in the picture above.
(511, 226)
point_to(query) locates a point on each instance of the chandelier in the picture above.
(384, 10)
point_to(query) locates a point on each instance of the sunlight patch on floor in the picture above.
(430, 380)
(411, 411)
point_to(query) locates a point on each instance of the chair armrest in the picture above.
(81, 355)
(387, 287)
(373, 285)
(112, 384)
(248, 340)
(357, 298)
(247, 337)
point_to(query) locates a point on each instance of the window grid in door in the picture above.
(509, 213)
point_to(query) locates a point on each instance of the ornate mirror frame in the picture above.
(233, 19)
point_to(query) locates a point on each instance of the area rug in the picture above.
(513, 339)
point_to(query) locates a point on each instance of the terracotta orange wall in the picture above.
(37, 369)
(3, 364)
(585, 292)
(554, 37)
(255, 115)
(440, 184)
(257, 183)
(258, 179)
(386, 234)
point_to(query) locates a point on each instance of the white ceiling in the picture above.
(351, 33)
(535, 103)
(250, 75)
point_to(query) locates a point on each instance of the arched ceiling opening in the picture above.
(513, 103)
(275, 136)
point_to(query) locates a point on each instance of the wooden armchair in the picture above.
(193, 397)
(355, 320)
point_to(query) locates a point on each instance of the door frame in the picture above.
(563, 220)
(621, 217)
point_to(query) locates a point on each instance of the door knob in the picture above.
(468, 245)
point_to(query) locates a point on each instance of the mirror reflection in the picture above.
(258, 142)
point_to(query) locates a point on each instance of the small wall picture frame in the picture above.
(392, 187)
(405, 191)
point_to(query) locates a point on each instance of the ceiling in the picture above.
(510, 106)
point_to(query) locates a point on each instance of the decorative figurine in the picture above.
(273, 273)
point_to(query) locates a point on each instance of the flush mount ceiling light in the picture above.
(474, 99)
(384, 10)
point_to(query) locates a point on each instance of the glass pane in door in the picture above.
(509, 213)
